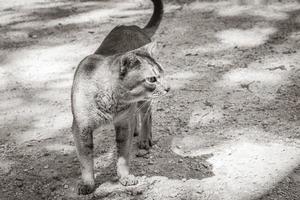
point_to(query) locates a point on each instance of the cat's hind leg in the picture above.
(83, 137)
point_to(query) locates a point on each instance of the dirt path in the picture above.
(228, 130)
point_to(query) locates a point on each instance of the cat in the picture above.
(116, 85)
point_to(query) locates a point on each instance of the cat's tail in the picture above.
(155, 19)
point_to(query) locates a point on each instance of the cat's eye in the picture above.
(151, 79)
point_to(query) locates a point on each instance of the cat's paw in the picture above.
(85, 189)
(128, 180)
(145, 144)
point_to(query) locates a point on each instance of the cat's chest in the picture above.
(108, 103)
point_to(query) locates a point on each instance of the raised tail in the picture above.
(156, 17)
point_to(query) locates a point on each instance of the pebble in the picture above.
(46, 154)
(53, 188)
(142, 153)
(32, 35)
(151, 162)
(19, 182)
(142, 172)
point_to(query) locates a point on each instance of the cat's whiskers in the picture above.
(138, 110)
(148, 109)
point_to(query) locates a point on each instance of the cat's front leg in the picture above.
(83, 136)
(124, 135)
(145, 135)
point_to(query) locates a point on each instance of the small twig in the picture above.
(204, 115)
(247, 86)
(207, 103)
(281, 67)
(192, 90)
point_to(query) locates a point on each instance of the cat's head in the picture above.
(141, 75)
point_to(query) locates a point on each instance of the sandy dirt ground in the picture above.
(229, 129)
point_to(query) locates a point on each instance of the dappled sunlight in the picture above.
(35, 114)
(245, 167)
(227, 39)
(245, 38)
(27, 4)
(37, 79)
(38, 64)
(240, 76)
(262, 78)
(295, 35)
(94, 16)
(248, 170)
(262, 83)
(207, 6)
(75, 13)
(17, 34)
(286, 7)
(118, 11)
(273, 11)
(44, 126)
(224, 133)
(79, 13)
(270, 13)
(197, 145)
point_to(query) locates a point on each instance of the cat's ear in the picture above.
(151, 48)
(128, 61)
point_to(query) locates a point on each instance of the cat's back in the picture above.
(123, 39)
(93, 70)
